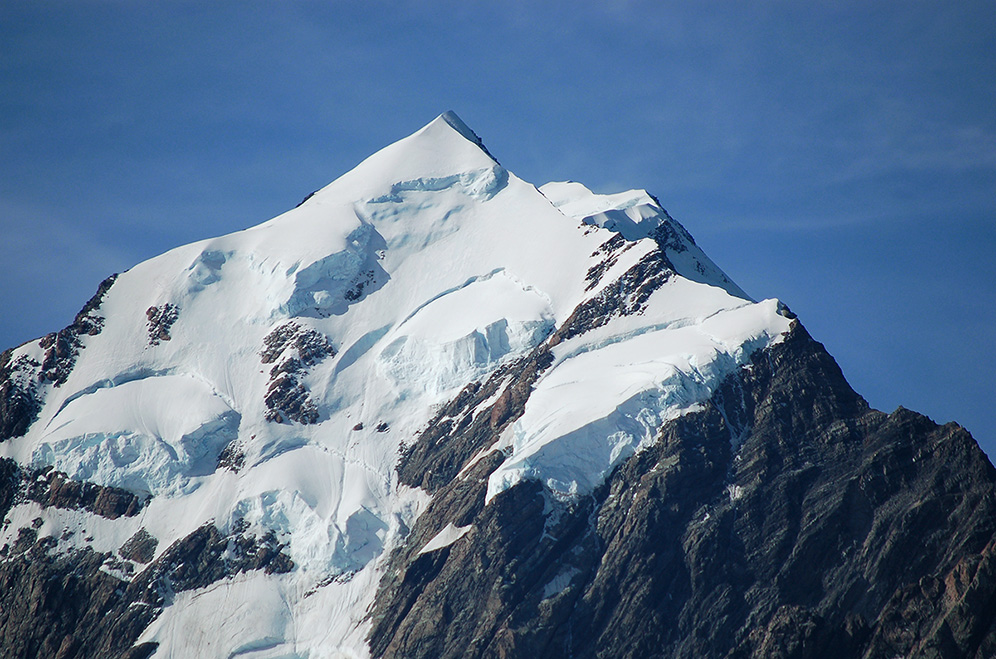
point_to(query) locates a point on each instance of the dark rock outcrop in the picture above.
(53, 489)
(204, 557)
(232, 457)
(19, 405)
(609, 252)
(292, 349)
(625, 296)
(20, 399)
(458, 433)
(140, 547)
(161, 319)
(70, 604)
(67, 604)
(787, 519)
(62, 347)
(293, 341)
(288, 400)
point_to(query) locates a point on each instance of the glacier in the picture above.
(427, 267)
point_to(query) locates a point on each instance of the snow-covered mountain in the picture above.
(258, 445)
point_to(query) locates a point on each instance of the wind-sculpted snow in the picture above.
(148, 435)
(635, 215)
(206, 269)
(330, 284)
(307, 355)
(480, 184)
(572, 435)
(463, 334)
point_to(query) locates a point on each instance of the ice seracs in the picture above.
(574, 432)
(464, 334)
(426, 267)
(150, 435)
(636, 214)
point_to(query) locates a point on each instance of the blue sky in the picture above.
(840, 156)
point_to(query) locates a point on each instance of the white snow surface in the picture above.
(427, 266)
(150, 435)
(445, 538)
(636, 214)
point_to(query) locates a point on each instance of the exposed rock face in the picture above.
(161, 319)
(19, 405)
(206, 556)
(65, 606)
(610, 476)
(292, 349)
(62, 347)
(626, 295)
(68, 605)
(232, 457)
(52, 488)
(140, 547)
(787, 519)
(20, 377)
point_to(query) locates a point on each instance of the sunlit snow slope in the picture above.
(312, 348)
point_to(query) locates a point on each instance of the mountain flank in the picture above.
(437, 411)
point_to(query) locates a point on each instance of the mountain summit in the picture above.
(437, 411)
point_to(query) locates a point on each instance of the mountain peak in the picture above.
(432, 360)
(456, 123)
(443, 148)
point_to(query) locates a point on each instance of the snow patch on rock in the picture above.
(560, 582)
(573, 434)
(478, 184)
(634, 214)
(445, 538)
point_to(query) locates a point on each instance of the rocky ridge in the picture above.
(786, 519)
(22, 377)
(89, 603)
(391, 423)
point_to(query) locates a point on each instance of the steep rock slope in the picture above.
(786, 519)
(436, 411)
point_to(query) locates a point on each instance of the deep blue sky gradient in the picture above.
(840, 156)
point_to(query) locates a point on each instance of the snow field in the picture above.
(426, 267)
